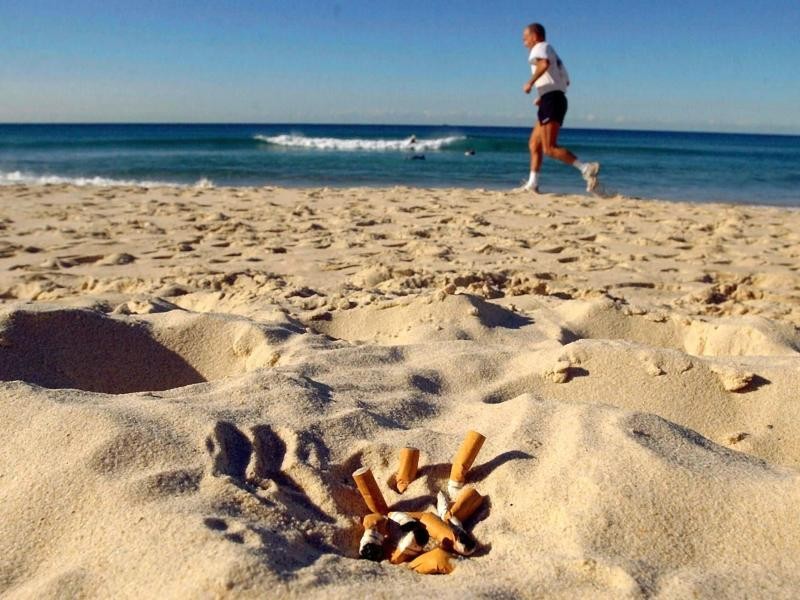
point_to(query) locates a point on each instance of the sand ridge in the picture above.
(190, 376)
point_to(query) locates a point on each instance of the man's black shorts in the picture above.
(552, 108)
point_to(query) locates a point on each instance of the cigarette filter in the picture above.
(371, 546)
(435, 562)
(439, 530)
(410, 545)
(407, 471)
(468, 501)
(449, 537)
(370, 491)
(463, 461)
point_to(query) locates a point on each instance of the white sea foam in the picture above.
(20, 178)
(323, 143)
(204, 183)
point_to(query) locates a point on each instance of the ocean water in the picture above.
(753, 169)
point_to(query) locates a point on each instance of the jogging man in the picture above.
(551, 80)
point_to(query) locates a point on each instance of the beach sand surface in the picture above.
(189, 377)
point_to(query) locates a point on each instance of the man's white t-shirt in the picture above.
(556, 78)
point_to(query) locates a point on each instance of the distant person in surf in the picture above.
(551, 80)
(412, 140)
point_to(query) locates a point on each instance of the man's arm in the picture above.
(542, 65)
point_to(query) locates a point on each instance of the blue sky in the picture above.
(708, 65)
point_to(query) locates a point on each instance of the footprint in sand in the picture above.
(235, 454)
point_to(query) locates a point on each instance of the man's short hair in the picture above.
(538, 30)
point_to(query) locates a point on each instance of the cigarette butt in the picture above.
(407, 471)
(439, 530)
(435, 562)
(398, 557)
(408, 547)
(375, 521)
(466, 456)
(370, 491)
(468, 501)
(451, 538)
(371, 546)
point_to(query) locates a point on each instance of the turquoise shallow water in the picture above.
(680, 166)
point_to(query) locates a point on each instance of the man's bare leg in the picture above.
(537, 154)
(550, 143)
(536, 148)
(549, 136)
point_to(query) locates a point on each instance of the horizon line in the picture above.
(321, 123)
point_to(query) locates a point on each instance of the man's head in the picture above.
(533, 34)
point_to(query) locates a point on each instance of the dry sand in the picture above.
(190, 376)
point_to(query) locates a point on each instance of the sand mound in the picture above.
(722, 336)
(88, 350)
(741, 336)
(434, 317)
(603, 318)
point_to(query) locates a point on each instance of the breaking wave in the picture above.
(20, 178)
(381, 145)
